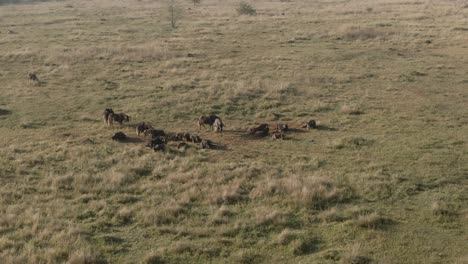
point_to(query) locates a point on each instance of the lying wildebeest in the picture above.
(159, 147)
(33, 77)
(119, 136)
(195, 139)
(182, 145)
(106, 114)
(120, 118)
(282, 127)
(218, 125)
(277, 135)
(206, 120)
(206, 144)
(142, 127)
(187, 136)
(172, 136)
(262, 130)
(310, 124)
(155, 141)
(154, 133)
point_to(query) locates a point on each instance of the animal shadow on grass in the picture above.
(133, 140)
(325, 128)
(295, 131)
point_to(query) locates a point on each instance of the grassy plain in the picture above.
(384, 179)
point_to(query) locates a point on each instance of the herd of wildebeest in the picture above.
(158, 138)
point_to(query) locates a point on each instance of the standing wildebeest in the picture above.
(310, 124)
(282, 127)
(218, 125)
(106, 114)
(142, 128)
(262, 130)
(206, 120)
(120, 118)
(33, 77)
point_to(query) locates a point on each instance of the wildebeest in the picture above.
(310, 124)
(206, 120)
(277, 135)
(106, 114)
(195, 139)
(206, 144)
(157, 144)
(159, 147)
(182, 145)
(261, 130)
(187, 136)
(142, 127)
(120, 118)
(155, 141)
(282, 127)
(154, 133)
(119, 136)
(218, 125)
(33, 77)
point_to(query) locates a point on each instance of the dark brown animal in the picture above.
(262, 130)
(120, 118)
(159, 147)
(206, 144)
(282, 127)
(186, 137)
(106, 114)
(206, 120)
(155, 141)
(195, 139)
(154, 133)
(33, 77)
(142, 128)
(310, 124)
(182, 145)
(119, 136)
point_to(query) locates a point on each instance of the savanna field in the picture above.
(382, 179)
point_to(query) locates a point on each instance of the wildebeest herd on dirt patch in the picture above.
(158, 138)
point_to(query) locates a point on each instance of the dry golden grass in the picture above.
(385, 80)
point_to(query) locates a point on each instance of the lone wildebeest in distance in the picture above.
(119, 118)
(218, 125)
(119, 136)
(261, 130)
(310, 124)
(282, 127)
(206, 120)
(106, 114)
(142, 127)
(33, 77)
